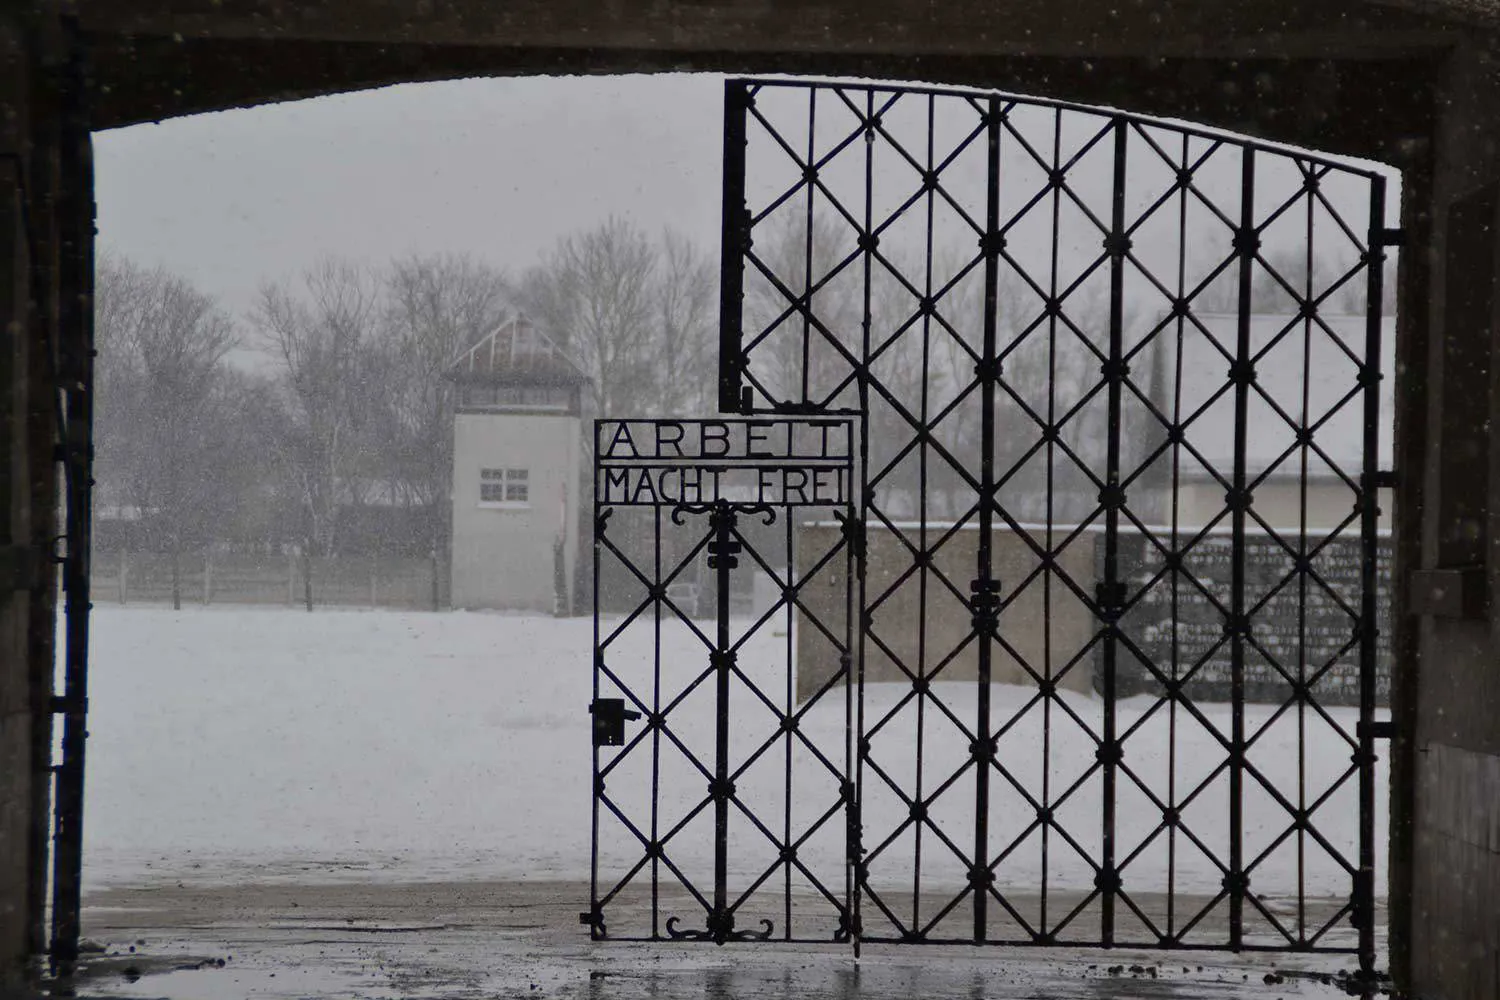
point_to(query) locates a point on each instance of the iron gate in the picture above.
(1114, 554)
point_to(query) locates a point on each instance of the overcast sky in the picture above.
(498, 167)
(501, 168)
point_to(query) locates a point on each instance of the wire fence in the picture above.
(204, 578)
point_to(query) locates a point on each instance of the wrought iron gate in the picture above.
(1109, 584)
(1120, 390)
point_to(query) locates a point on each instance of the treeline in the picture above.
(319, 422)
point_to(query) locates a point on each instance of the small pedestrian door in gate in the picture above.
(723, 798)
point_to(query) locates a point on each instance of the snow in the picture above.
(240, 738)
(243, 744)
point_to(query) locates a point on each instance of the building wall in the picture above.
(31, 234)
(15, 702)
(503, 557)
(1449, 728)
(1035, 624)
(1329, 504)
(947, 620)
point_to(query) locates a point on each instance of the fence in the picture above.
(238, 578)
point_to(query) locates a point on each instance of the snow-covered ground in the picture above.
(252, 744)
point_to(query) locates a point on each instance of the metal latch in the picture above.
(610, 715)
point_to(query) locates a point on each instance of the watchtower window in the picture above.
(517, 397)
(504, 487)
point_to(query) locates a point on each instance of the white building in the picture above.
(517, 448)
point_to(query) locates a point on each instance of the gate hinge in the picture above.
(1384, 730)
(593, 919)
(1393, 236)
(853, 530)
(1386, 479)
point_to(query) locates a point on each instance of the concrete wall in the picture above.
(15, 684)
(503, 556)
(1329, 504)
(922, 641)
(28, 317)
(1446, 763)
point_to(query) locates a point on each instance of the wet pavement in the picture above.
(522, 939)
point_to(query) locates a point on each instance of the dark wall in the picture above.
(1447, 758)
(29, 305)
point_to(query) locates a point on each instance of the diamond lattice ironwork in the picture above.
(1107, 367)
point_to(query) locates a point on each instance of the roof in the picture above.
(1308, 371)
(516, 351)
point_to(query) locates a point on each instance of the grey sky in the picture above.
(498, 167)
(501, 168)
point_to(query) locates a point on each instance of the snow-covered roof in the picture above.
(1308, 369)
(516, 351)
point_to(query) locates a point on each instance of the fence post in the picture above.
(307, 578)
(208, 576)
(122, 578)
(291, 579)
(374, 575)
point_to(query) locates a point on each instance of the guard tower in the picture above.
(517, 435)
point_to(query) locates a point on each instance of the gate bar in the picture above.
(1246, 243)
(735, 230)
(594, 917)
(986, 588)
(859, 538)
(722, 519)
(1112, 596)
(1364, 888)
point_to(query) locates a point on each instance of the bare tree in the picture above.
(435, 307)
(596, 295)
(800, 351)
(321, 332)
(1339, 283)
(638, 316)
(687, 347)
(120, 297)
(163, 344)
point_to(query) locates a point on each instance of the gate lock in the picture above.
(610, 715)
